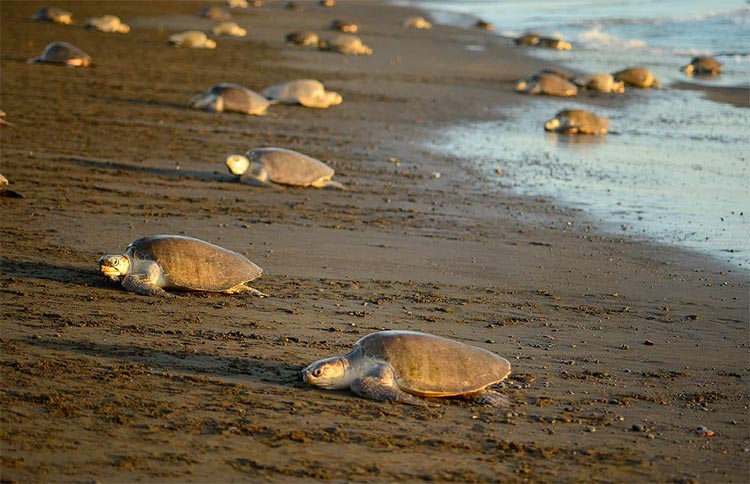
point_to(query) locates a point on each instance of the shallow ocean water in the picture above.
(675, 168)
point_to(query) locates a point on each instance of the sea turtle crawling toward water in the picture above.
(230, 29)
(547, 84)
(402, 366)
(107, 23)
(600, 82)
(704, 66)
(231, 98)
(416, 22)
(303, 37)
(261, 166)
(63, 53)
(154, 263)
(192, 38)
(577, 121)
(307, 92)
(346, 44)
(53, 14)
(637, 77)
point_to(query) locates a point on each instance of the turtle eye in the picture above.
(318, 372)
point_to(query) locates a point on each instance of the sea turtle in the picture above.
(346, 44)
(230, 29)
(547, 84)
(5, 191)
(577, 121)
(307, 92)
(53, 14)
(152, 264)
(107, 23)
(230, 98)
(599, 82)
(416, 22)
(215, 13)
(554, 43)
(528, 39)
(483, 24)
(637, 77)
(303, 37)
(344, 26)
(703, 65)
(401, 366)
(260, 166)
(63, 53)
(192, 38)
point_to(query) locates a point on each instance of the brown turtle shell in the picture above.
(636, 76)
(240, 99)
(289, 167)
(61, 52)
(193, 264)
(430, 365)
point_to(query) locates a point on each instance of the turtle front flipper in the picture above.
(381, 386)
(140, 284)
(145, 281)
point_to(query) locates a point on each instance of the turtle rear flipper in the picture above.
(374, 388)
(489, 398)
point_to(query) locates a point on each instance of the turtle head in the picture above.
(552, 124)
(331, 373)
(114, 266)
(522, 85)
(688, 69)
(208, 101)
(333, 98)
(210, 44)
(237, 164)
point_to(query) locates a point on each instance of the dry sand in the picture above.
(620, 349)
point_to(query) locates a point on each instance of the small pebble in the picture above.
(638, 428)
(648, 342)
(650, 436)
(591, 429)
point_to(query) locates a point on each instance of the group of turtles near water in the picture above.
(400, 366)
(560, 83)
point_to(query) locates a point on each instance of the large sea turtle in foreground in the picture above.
(63, 53)
(231, 98)
(402, 366)
(577, 121)
(703, 65)
(307, 92)
(152, 264)
(261, 166)
(637, 77)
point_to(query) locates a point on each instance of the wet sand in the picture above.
(620, 349)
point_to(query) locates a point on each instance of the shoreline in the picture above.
(207, 387)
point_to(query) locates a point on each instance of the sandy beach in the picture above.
(619, 349)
